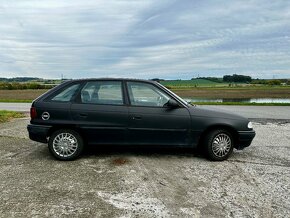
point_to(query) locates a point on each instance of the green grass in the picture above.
(16, 100)
(8, 115)
(241, 103)
(190, 83)
(208, 84)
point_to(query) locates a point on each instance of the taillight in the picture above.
(33, 113)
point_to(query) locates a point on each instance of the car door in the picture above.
(151, 122)
(100, 112)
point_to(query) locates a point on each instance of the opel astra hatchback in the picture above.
(80, 113)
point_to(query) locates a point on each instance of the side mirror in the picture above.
(171, 104)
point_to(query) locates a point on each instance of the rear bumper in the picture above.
(245, 138)
(38, 133)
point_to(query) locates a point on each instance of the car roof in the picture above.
(111, 79)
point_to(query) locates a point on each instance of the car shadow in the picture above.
(138, 150)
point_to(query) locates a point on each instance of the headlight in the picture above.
(250, 125)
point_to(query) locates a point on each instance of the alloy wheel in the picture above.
(221, 145)
(65, 144)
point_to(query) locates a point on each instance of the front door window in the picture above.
(145, 94)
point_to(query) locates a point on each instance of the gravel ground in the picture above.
(128, 182)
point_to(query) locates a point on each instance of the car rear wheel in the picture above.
(65, 144)
(219, 145)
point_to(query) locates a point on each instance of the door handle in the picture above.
(83, 115)
(137, 117)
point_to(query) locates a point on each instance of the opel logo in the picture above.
(45, 116)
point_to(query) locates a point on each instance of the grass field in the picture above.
(8, 115)
(191, 83)
(26, 95)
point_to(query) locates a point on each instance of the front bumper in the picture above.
(38, 133)
(245, 138)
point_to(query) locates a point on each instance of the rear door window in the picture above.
(102, 92)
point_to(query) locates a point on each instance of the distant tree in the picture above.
(237, 78)
(274, 82)
(9, 86)
(228, 78)
(20, 79)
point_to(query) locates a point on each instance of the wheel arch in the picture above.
(226, 127)
(71, 127)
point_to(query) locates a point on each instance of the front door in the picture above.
(151, 122)
(101, 113)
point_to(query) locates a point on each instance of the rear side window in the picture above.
(66, 94)
(102, 92)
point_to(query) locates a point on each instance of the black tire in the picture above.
(70, 147)
(216, 151)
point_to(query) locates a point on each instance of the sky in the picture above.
(145, 39)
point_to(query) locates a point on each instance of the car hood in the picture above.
(213, 113)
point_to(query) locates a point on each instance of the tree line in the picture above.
(235, 78)
(20, 79)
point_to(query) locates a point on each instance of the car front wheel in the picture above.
(65, 144)
(219, 145)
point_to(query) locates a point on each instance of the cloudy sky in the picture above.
(144, 39)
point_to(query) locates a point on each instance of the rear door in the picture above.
(101, 113)
(151, 122)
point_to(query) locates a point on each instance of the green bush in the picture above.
(17, 86)
(274, 82)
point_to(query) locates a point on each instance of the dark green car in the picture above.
(87, 112)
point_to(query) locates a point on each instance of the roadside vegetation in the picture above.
(8, 115)
(234, 86)
(21, 86)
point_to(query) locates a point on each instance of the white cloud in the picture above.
(144, 39)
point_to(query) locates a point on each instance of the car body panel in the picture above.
(59, 112)
(204, 119)
(38, 133)
(245, 138)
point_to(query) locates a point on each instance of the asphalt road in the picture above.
(257, 112)
(21, 107)
(134, 182)
(253, 112)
